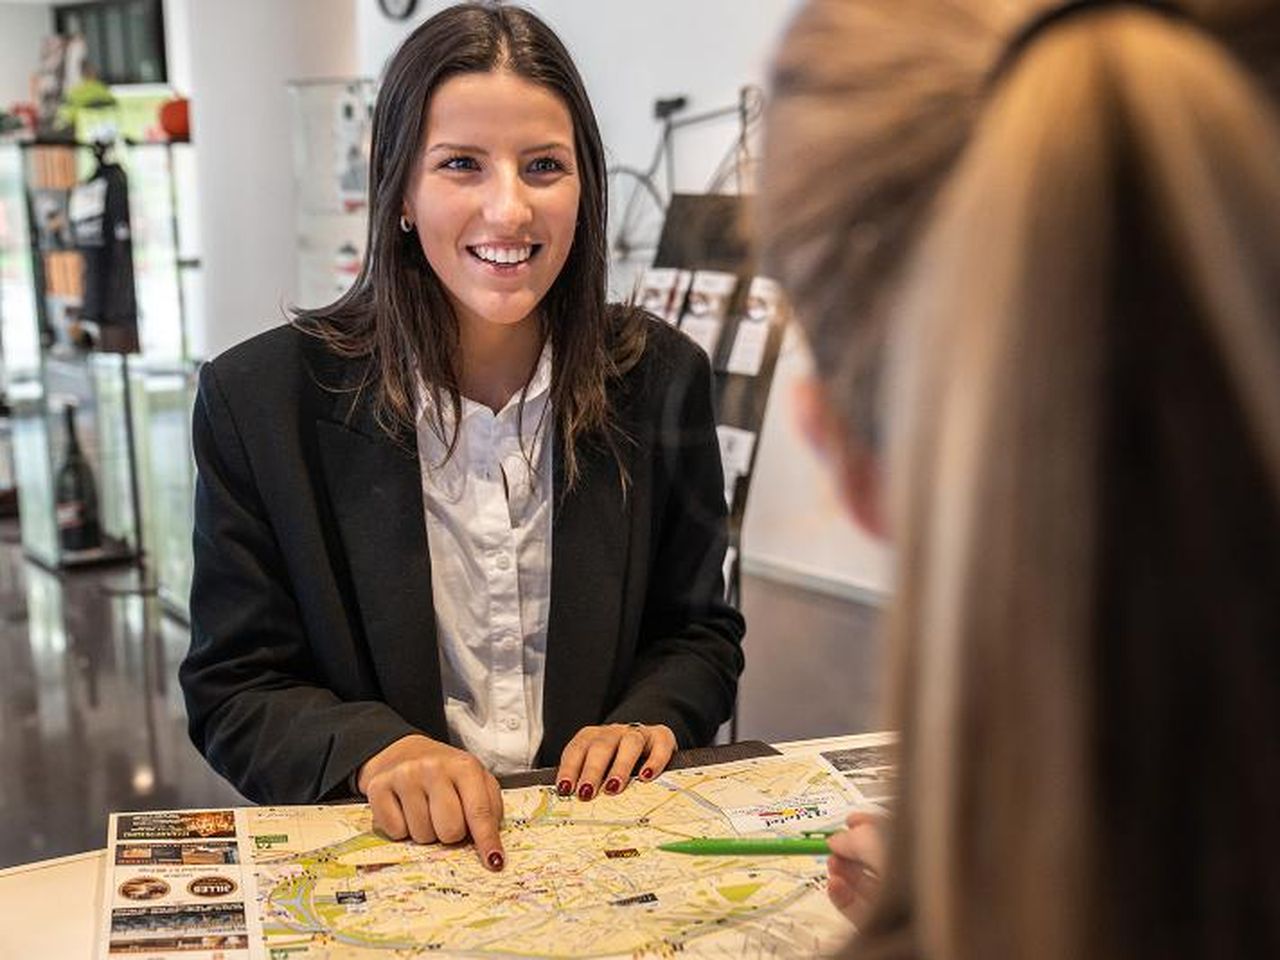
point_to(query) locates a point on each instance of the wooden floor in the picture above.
(91, 717)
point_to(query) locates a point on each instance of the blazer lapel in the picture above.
(376, 492)
(590, 534)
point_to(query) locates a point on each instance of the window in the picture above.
(125, 38)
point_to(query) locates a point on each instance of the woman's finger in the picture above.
(447, 819)
(841, 891)
(600, 752)
(412, 797)
(857, 818)
(851, 887)
(495, 799)
(387, 816)
(482, 817)
(571, 758)
(861, 843)
(630, 746)
(662, 746)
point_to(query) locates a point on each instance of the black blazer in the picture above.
(313, 641)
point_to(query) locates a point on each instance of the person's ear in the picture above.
(853, 464)
(809, 400)
(861, 480)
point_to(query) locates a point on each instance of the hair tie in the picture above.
(1038, 24)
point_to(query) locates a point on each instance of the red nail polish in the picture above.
(586, 792)
(495, 860)
(646, 774)
(613, 786)
(564, 788)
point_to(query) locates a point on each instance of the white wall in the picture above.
(22, 27)
(629, 54)
(177, 44)
(242, 53)
(795, 527)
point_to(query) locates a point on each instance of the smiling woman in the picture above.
(468, 518)
(494, 200)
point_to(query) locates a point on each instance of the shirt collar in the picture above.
(539, 385)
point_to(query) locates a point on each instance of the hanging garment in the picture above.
(100, 225)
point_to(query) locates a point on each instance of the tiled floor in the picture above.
(91, 717)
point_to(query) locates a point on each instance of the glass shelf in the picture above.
(39, 287)
(163, 397)
(332, 123)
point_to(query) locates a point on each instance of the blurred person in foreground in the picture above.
(1036, 253)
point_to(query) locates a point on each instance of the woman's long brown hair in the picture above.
(397, 314)
(1071, 280)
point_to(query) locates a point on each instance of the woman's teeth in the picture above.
(503, 255)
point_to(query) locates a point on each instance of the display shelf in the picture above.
(158, 173)
(111, 551)
(95, 384)
(19, 327)
(163, 397)
(40, 290)
(33, 471)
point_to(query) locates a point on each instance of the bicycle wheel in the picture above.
(636, 213)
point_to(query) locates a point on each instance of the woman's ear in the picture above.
(853, 464)
(861, 483)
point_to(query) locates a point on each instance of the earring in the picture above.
(405, 225)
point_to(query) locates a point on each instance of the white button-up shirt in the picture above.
(489, 535)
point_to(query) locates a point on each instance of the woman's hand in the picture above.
(427, 790)
(855, 865)
(609, 754)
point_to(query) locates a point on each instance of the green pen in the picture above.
(806, 844)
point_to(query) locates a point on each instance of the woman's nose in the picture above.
(508, 203)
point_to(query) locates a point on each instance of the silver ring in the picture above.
(634, 725)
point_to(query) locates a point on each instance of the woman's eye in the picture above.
(460, 163)
(546, 165)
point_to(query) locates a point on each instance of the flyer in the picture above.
(763, 311)
(736, 449)
(663, 291)
(707, 306)
(176, 887)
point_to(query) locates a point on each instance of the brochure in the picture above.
(710, 293)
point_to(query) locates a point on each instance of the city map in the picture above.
(582, 879)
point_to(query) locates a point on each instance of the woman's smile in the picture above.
(504, 260)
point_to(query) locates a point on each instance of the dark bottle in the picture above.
(76, 495)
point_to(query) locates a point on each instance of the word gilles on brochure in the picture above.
(176, 886)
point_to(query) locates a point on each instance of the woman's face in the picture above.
(494, 197)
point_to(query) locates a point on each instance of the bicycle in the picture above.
(638, 205)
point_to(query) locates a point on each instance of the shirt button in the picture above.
(511, 723)
(503, 562)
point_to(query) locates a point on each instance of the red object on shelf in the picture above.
(28, 114)
(175, 118)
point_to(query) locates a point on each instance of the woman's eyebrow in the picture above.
(456, 148)
(471, 148)
(543, 147)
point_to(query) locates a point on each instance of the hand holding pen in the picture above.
(855, 864)
(855, 858)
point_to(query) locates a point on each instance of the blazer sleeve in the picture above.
(690, 649)
(256, 704)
